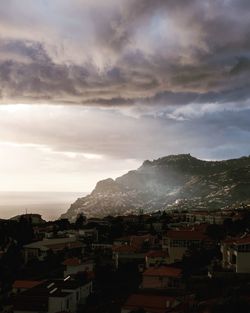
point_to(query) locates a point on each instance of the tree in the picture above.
(25, 230)
(215, 232)
(80, 221)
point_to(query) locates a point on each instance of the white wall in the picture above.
(57, 304)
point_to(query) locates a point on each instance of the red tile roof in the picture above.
(244, 240)
(186, 235)
(124, 249)
(72, 262)
(238, 240)
(151, 303)
(164, 271)
(157, 254)
(137, 241)
(60, 246)
(229, 240)
(25, 284)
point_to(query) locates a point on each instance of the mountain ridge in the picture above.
(171, 181)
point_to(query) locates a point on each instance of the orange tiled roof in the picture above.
(124, 249)
(25, 284)
(151, 303)
(229, 240)
(238, 240)
(165, 271)
(72, 262)
(60, 246)
(244, 240)
(157, 254)
(137, 241)
(186, 235)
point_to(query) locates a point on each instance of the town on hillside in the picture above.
(168, 261)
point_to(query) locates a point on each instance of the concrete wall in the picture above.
(154, 282)
(176, 253)
(157, 282)
(58, 304)
(78, 268)
(85, 292)
(157, 260)
(243, 262)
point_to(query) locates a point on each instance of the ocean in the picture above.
(49, 204)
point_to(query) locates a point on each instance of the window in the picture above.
(243, 248)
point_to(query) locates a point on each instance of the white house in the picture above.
(53, 297)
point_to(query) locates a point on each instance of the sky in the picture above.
(89, 89)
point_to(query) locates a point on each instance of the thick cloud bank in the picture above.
(124, 52)
(122, 81)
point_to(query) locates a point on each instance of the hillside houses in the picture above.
(124, 265)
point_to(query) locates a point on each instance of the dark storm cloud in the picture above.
(124, 52)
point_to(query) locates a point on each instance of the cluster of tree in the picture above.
(19, 231)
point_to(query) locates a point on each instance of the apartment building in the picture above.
(53, 296)
(164, 277)
(177, 242)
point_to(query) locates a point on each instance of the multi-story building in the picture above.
(40, 249)
(214, 217)
(132, 248)
(156, 258)
(236, 254)
(53, 296)
(177, 242)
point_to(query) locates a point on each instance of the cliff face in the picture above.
(172, 181)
